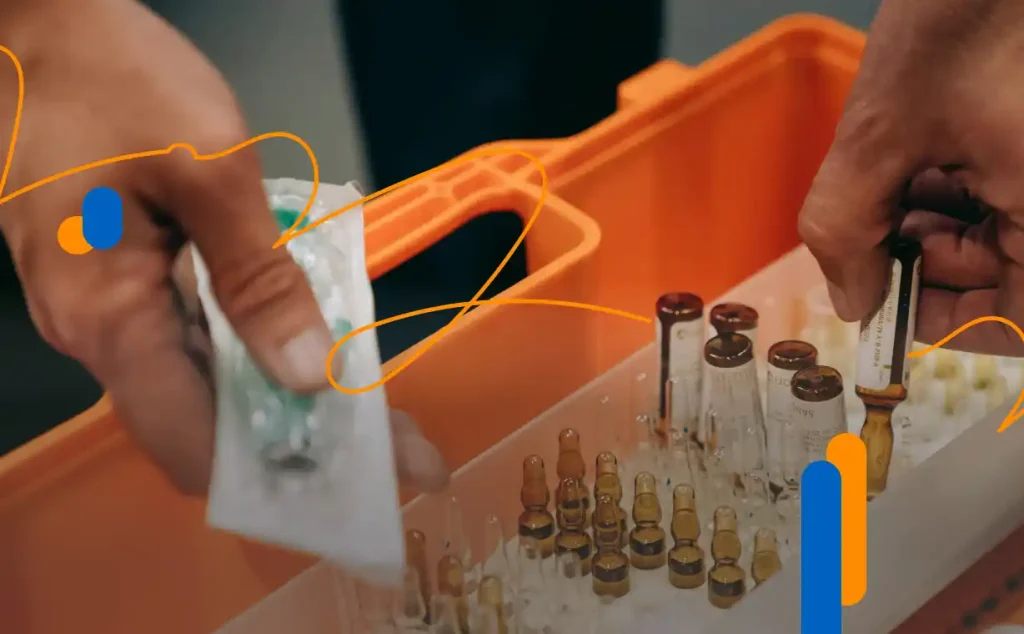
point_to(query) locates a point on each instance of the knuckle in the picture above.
(252, 289)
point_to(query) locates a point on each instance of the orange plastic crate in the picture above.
(694, 183)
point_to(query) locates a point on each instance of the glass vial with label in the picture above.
(679, 332)
(727, 583)
(733, 421)
(572, 536)
(785, 440)
(818, 408)
(571, 465)
(647, 539)
(607, 483)
(765, 562)
(883, 371)
(734, 317)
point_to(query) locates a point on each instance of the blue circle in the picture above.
(102, 218)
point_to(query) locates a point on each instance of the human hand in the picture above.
(933, 126)
(108, 78)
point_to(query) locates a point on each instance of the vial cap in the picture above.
(792, 355)
(728, 350)
(905, 250)
(533, 468)
(674, 307)
(732, 317)
(816, 384)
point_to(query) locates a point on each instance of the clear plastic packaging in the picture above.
(314, 473)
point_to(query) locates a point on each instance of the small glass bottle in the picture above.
(492, 596)
(572, 536)
(734, 317)
(766, 561)
(734, 420)
(883, 372)
(610, 567)
(818, 408)
(536, 521)
(571, 465)
(451, 582)
(416, 559)
(607, 482)
(679, 333)
(727, 582)
(785, 442)
(686, 559)
(647, 539)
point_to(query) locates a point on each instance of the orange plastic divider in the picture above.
(92, 537)
(694, 183)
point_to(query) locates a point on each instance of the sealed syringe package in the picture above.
(313, 473)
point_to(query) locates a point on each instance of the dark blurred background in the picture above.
(384, 89)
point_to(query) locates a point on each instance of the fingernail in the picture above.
(419, 463)
(839, 302)
(302, 362)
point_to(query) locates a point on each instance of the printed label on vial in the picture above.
(915, 283)
(819, 423)
(877, 337)
(681, 360)
(779, 402)
(732, 405)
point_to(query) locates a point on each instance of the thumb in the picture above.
(850, 210)
(264, 294)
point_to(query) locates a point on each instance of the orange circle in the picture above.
(71, 238)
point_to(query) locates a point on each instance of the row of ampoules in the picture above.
(709, 396)
(602, 555)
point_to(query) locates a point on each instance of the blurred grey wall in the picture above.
(284, 60)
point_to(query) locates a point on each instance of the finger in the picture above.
(261, 290)
(935, 190)
(852, 208)
(941, 312)
(956, 255)
(419, 464)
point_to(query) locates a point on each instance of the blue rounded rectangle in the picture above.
(102, 218)
(821, 544)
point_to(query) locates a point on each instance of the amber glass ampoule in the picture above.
(647, 539)
(606, 482)
(766, 561)
(536, 521)
(883, 372)
(492, 595)
(610, 569)
(726, 580)
(686, 559)
(416, 559)
(679, 333)
(818, 408)
(451, 582)
(571, 465)
(572, 536)
(785, 442)
(734, 317)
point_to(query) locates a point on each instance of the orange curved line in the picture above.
(292, 232)
(1015, 412)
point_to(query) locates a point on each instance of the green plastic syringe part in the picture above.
(287, 217)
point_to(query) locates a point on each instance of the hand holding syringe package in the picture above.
(290, 469)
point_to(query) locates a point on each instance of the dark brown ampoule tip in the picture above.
(817, 383)
(792, 354)
(728, 350)
(733, 317)
(675, 307)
